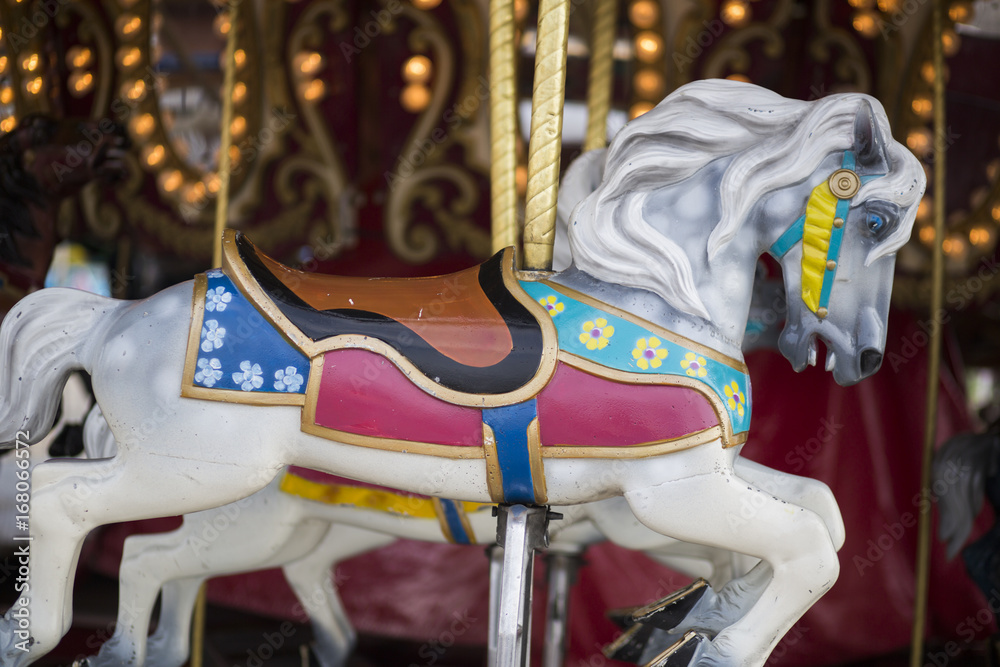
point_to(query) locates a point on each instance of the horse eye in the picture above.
(875, 222)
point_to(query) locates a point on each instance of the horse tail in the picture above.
(960, 471)
(582, 178)
(46, 336)
(98, 440)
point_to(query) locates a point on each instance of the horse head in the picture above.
(838, 257)
(43, 161)
(63, 155)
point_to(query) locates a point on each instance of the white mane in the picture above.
(776, 142)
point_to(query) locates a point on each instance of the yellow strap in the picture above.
(366, 498)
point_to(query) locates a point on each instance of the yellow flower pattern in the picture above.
(735, 397)
(648, 353)
(552, 304)
(596, 334)
(694, 365)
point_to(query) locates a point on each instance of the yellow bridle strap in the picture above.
(820, 213)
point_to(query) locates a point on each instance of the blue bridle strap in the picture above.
(794, 234)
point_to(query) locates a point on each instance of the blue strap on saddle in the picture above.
(510, 428)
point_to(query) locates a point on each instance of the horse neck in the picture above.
(718, 334)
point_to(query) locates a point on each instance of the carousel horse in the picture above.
(44, 161)
(280, 526)
(618, 377)
(306, 524)
(966, 470)
(41, 165)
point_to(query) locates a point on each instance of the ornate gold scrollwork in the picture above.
(319, 161)
(419, 174)
(730, 53)
(851, 67)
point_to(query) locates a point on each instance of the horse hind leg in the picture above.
(310, 578)
(72, 497)
(794, 543)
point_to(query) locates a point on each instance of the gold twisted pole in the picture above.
(222, 203)
(601, 74)
(221, 216)
(503, 124)
(545, 145)
(934, 351)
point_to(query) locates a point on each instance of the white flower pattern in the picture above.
(288, 379)
(250, 376)
(209, 372)
(217, 299)
(212, 335)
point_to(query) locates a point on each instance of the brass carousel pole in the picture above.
(934, 352)
(221, 217)
(503, 124)
(602, 44)
(545, 145)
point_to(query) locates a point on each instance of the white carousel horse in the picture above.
(307, 527)
(263, 531)
(655, 307)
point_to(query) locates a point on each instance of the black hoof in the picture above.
(630, 645)
(668, 613)
(681, 653)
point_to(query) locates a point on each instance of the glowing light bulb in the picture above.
(648, 46)
(415, 97)
(417, 69)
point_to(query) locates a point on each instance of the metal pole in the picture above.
(545, 145)
(562, 569)
(503, 124)
(934, 351)
(222, 203)
(221, 217)
(602, 63)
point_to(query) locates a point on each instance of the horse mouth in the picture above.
(812, 352)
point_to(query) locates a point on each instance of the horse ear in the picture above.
(869, 144)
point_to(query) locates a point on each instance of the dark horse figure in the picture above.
(968, 466)
(42, 162)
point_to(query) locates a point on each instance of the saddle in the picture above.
(473, 333)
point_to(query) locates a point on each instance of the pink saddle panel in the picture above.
(365, 394)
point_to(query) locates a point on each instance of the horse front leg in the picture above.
(794, 543)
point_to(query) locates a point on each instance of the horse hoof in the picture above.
(681, 653)
(630, 645)
(666, 614)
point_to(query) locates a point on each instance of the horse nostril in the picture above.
(870, 361)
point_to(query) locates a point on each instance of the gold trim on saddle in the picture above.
(191, 390)
(666, 334)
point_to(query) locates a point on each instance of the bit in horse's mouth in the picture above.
(812, 353)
